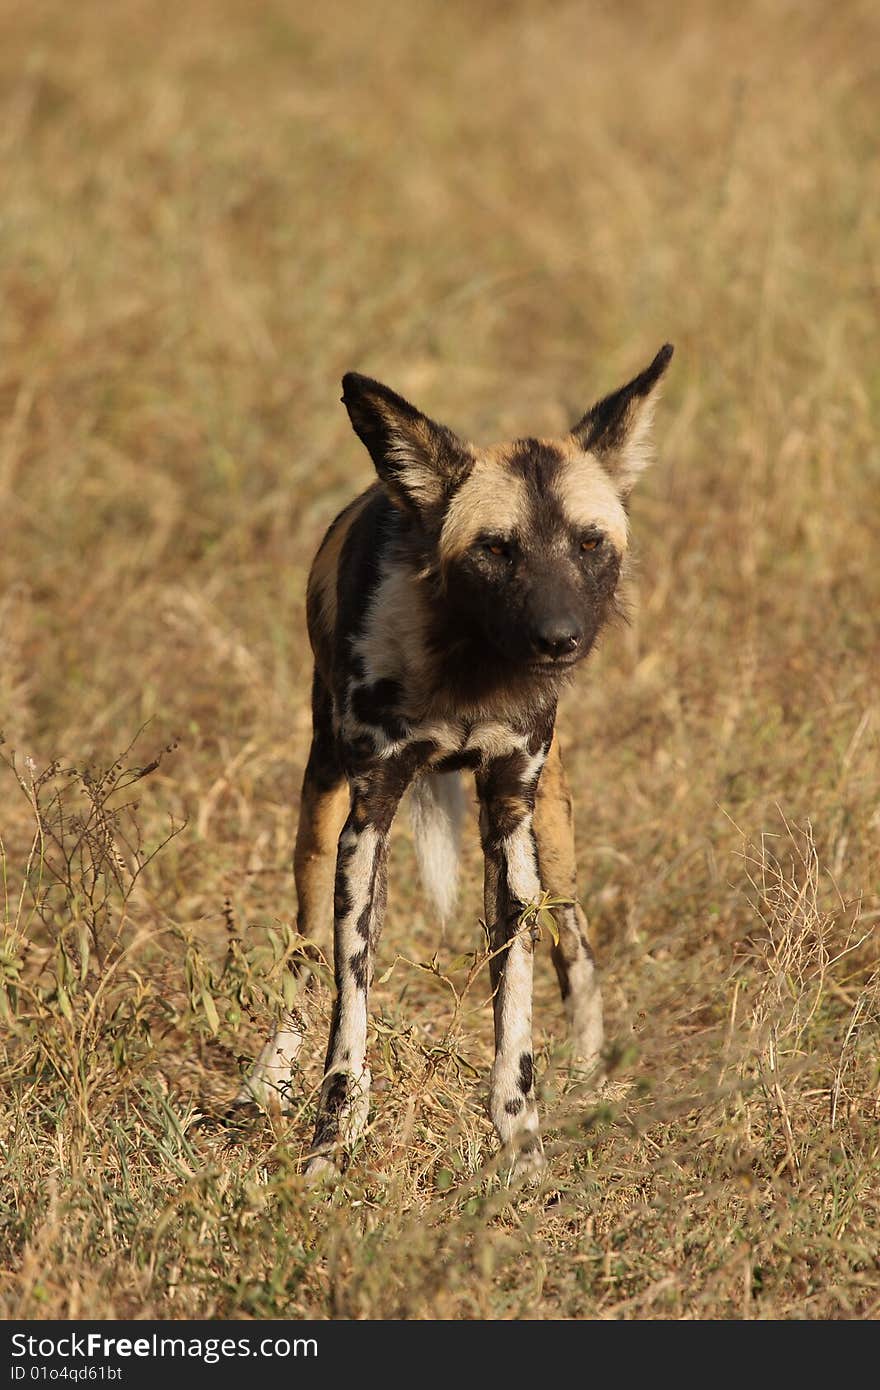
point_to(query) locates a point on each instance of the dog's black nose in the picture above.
(559, 637)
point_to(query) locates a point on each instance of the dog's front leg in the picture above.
(507, 799)
(359, 910)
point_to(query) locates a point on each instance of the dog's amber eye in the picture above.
(496, 547)
(591, 542)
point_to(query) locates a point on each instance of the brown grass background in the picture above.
(208, 212)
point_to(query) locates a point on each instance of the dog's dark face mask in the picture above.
(539, 599)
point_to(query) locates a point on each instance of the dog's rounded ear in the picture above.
(419, 461)
(618, 429)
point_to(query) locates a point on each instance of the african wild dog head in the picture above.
(525, 541)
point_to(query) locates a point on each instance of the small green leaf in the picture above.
(547, 922)
(64, 1003)
(288, 989)
(84, 949)
(210, 1010)
(459, 963)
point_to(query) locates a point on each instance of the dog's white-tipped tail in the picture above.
(436, 810)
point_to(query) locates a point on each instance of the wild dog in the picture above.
(447, 606)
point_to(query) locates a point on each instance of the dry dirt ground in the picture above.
(209, 211)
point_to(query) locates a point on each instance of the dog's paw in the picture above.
(527, 1162)
(320, 1169)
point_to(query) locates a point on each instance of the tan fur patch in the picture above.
(589, 497)
(492, 499)
(553, 827)
(637, 451)
(554, 833)
(321, 818)
(393, 643)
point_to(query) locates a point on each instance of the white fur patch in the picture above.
(521, 862)
(359, 869)
(590, 498)
(436, 809)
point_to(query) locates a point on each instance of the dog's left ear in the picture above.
(618, 429)
(419, 461)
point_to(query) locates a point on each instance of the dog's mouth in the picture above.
(549, 665)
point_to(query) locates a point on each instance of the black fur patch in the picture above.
(358, 963)
(526, 1073)
(358, 753)
(479, 647)
(324, 768)
(376, 705)
(503, 792)
(342, 902)
(541, 731)
(561, 973)
(363, 921)
(469, 760)
(333, 1099)
(538, 463)
(513, 1107)
(359, 575)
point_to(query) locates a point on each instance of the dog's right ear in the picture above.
(419, 461)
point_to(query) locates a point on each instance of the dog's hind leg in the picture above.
(572, 956)
(323, 808)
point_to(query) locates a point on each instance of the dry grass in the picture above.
(210, 211)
